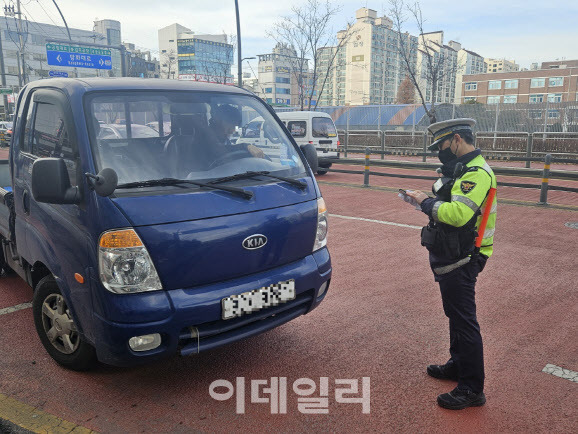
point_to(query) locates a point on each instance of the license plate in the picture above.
(252, 301)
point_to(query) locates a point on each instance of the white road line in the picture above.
(375, 221)
(567, 374)
(15, 308)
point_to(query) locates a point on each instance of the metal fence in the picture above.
(509, 129)
(527, 118)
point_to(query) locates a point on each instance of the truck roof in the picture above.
(125, 83)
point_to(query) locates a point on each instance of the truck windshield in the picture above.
(187, 135)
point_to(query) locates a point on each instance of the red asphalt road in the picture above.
(382, 319)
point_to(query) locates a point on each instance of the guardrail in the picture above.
(546, 174)
(499, 144)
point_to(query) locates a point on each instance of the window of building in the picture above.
(554, 97)
(495, 84)
(536, 98)
(282, 90)
(268, 90)
(470, 98)
(510, 99)
(556, 81)
(538, 82)
(535, 114)
(285, 80)
(553, 114)
(494, 99)
(510, 84)
(472, 85)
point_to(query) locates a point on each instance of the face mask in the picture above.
(447, 155)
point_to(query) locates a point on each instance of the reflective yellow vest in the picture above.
(469, 194)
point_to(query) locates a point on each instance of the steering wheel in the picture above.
(264, 157)
(230, 156)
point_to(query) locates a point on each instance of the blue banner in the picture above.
(58, 74)
(77, 60)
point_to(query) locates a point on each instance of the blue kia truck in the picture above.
(144, 231)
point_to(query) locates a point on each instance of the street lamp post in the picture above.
(240, 75)
(239, 58)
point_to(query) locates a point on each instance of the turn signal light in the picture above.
(120, 239)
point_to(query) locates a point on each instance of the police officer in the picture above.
(455, 217)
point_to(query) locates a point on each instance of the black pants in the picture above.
(466, 348)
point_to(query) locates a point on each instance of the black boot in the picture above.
(443, 372)
(458, 399)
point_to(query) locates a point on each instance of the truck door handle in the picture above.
(26, 202)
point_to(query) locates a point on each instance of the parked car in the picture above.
(140, 246)
(5, 132)
(317, 129)
(156, 126)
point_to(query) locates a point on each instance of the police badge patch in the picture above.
(467, 186)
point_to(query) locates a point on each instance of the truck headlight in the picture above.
(125, 264)
(321, 235)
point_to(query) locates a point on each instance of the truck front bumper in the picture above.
(193, 322)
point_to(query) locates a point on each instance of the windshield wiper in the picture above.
(173, 181)
(251, 174)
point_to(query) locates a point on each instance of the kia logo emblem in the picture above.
(254, 242)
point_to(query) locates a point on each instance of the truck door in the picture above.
(53, 234)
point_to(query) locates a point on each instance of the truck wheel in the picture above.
(321, 171)
(57, 330)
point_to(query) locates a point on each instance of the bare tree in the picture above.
(169, 60)
(406, 92)
(436, 66)
(307, 30)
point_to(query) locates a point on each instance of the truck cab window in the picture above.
(50, 137)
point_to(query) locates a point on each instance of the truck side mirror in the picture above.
(311, 156)
(51, 183)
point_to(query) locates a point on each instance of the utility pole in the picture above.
(21, 40)
(3, 79)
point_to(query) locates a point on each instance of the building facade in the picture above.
(553, 85)
(432, 44)
(187, 56)
(140, 63)
(468, 63)
(500, 65)
(367, 66)
(284, 79)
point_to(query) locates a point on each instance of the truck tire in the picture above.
(311, 156)
(321, 171)
(57, 330)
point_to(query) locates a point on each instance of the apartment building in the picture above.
(284, 78)
(366, 67)
(553, 85)
(432, 43)
(469, 63)
(500, 65)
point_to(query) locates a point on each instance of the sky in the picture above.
(525, 31)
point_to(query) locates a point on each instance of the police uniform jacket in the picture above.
(466, 203)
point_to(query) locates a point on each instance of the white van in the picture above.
(316, 128)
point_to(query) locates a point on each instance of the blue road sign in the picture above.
(78, 57)
(58, 74)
